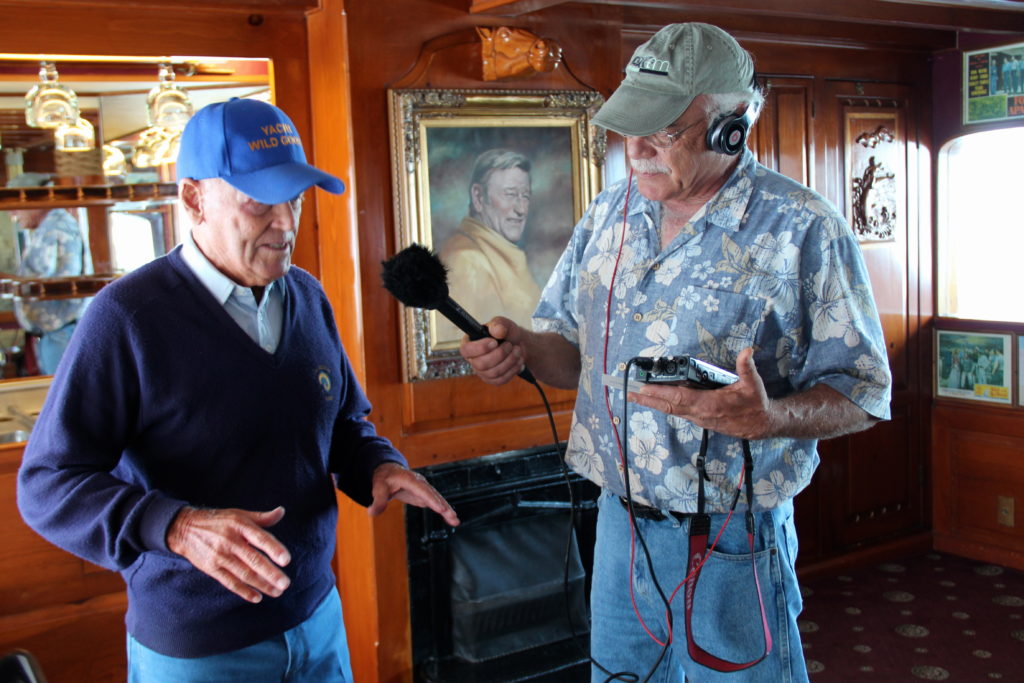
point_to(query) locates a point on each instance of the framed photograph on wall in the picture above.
(493, 182)
(974, 366)
(1020, 375)
(993, 84)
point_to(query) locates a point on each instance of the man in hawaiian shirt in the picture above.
(704, 252)
(53, 248)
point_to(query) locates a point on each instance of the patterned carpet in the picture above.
(936, 617)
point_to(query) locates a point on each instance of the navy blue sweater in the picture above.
(162, 400)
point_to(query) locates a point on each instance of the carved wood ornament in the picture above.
(874, 201)
(515, 53)
(874, 177)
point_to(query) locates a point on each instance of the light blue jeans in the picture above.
(726, 616)
(315, 651)
(51, 347)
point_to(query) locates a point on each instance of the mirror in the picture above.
(90, 205)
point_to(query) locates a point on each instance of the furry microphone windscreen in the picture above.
(416, 277)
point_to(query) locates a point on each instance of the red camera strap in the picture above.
(700, 528)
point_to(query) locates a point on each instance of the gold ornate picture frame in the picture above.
(437, 137)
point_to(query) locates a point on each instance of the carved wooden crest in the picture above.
(515, 53)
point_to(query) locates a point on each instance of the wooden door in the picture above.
(872, 483)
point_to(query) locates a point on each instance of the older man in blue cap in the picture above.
(701, 253)
(204, 414)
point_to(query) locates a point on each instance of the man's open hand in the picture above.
(234, 547)
(391, 480)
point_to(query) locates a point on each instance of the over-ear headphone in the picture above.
(728, 134)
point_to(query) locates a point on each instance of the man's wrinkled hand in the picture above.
(234, 547)
(499, 358)
(393, 481)
(741, 409)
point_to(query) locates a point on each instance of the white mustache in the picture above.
(647, 166)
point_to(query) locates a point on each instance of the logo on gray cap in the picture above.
(648, 65)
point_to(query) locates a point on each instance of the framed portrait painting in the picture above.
(493, 182)
(974, 366)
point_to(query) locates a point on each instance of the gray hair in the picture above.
(727, 103)
(492, 160)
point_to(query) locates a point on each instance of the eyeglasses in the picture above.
(664, 138)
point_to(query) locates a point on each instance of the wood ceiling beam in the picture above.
(939, 15)
(251, 6)
(748, 27)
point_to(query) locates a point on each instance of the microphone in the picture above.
(416, 277)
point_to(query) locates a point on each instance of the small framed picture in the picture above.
(974, 366)
(1020, 375)
(993, 84)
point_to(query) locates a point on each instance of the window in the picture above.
(980, 243)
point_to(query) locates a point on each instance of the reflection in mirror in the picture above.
(88, 199)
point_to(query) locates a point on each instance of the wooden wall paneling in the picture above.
(882, 483)
(34, 573)
(876, 477)
(976, 460)
(82, 642)
(372, 589)
(781, 138)
(813, 527)
(67, 612)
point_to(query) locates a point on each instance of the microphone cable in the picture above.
(625, 676)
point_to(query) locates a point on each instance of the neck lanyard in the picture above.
(700, 527)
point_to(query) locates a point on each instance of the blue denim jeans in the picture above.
(315, 651)
(726, 615)
(51, 348)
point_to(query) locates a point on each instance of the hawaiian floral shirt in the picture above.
(766, 263)
(54, 249)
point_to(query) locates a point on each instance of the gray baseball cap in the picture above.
(678, 63)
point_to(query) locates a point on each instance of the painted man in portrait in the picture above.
(488, 272)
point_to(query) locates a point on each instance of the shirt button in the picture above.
(638, 317)
(615, 421)
(656, 266)
(621, 367)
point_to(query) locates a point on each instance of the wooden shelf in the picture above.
(14, 198)
(40, 289)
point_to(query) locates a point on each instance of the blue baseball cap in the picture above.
(254, 147)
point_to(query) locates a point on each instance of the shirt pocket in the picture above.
(716, 324)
